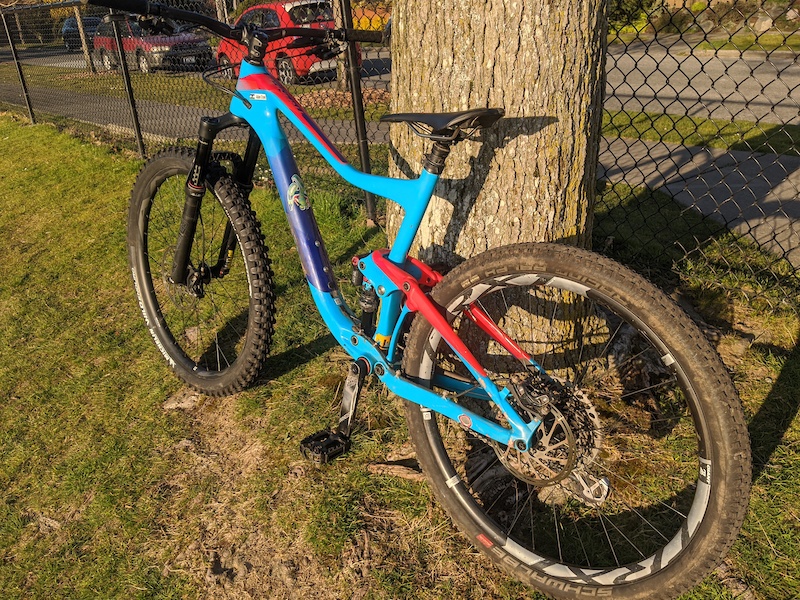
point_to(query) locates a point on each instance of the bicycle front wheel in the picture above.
(214, 333)
(638, 481)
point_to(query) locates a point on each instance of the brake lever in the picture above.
(333, 49)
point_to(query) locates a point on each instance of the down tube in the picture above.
(313, 255)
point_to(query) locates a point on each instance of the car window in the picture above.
(254, 17)
(271, 19)
(136, 30)
(261, 18)
(104, 29)
(311, 12)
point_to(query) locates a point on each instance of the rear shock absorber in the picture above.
(367, 298)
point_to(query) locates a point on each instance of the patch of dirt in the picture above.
(217, 542)
(54, 527)
(739, 588)
(184, 399)
(223, 543)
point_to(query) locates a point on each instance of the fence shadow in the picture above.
(780, 408)
(633, 232)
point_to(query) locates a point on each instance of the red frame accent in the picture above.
(476, 314)
(417, 300)
(266, 82)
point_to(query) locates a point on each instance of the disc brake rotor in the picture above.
(566, 443)
(552, 458)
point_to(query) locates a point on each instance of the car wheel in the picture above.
(226, 68)
(286, 71)
(106, 62)
(141, 61)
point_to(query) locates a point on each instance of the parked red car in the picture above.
(146, 51)
(288, 59)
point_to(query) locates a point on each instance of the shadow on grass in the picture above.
(779, 409)
(674, 245)
(290, 359)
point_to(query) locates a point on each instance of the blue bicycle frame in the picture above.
(394, 277)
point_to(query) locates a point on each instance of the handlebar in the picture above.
(144, 7)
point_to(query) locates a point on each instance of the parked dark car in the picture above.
(71, 34)
(288, 59)
(146, 51)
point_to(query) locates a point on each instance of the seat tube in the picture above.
(414, 211)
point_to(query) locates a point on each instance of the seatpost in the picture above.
(434, 162)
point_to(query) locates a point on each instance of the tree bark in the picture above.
(532, 176)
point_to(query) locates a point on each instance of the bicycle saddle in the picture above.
(448, 127)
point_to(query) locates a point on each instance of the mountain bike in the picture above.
(570, 418)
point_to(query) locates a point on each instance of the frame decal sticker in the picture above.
(296, 194)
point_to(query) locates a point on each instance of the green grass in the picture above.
(677, 246)
(105, 494)
(710, 133)
(732, 286)
(744, 42)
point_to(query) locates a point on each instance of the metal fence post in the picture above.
(19, 68)
(82, 34)
(354, 78)
(126, 78)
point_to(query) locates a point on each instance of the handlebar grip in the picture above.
(359, 35)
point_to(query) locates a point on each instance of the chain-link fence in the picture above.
(699, 159)
(701, 145)
(71, 65)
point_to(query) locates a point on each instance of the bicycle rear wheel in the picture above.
(215, 334)
(639, 480)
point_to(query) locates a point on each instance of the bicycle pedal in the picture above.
(324, 446)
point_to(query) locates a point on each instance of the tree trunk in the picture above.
(341, 67)
(222, 11)
(532, 176)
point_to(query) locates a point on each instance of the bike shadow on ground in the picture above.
(773, 419)
(480, 165)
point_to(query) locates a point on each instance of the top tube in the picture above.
(268, 97)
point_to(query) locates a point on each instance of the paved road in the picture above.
(758, 195)
(666, 76)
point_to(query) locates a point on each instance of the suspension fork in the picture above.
(195, 190)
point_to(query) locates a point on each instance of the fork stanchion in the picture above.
(354, 79)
